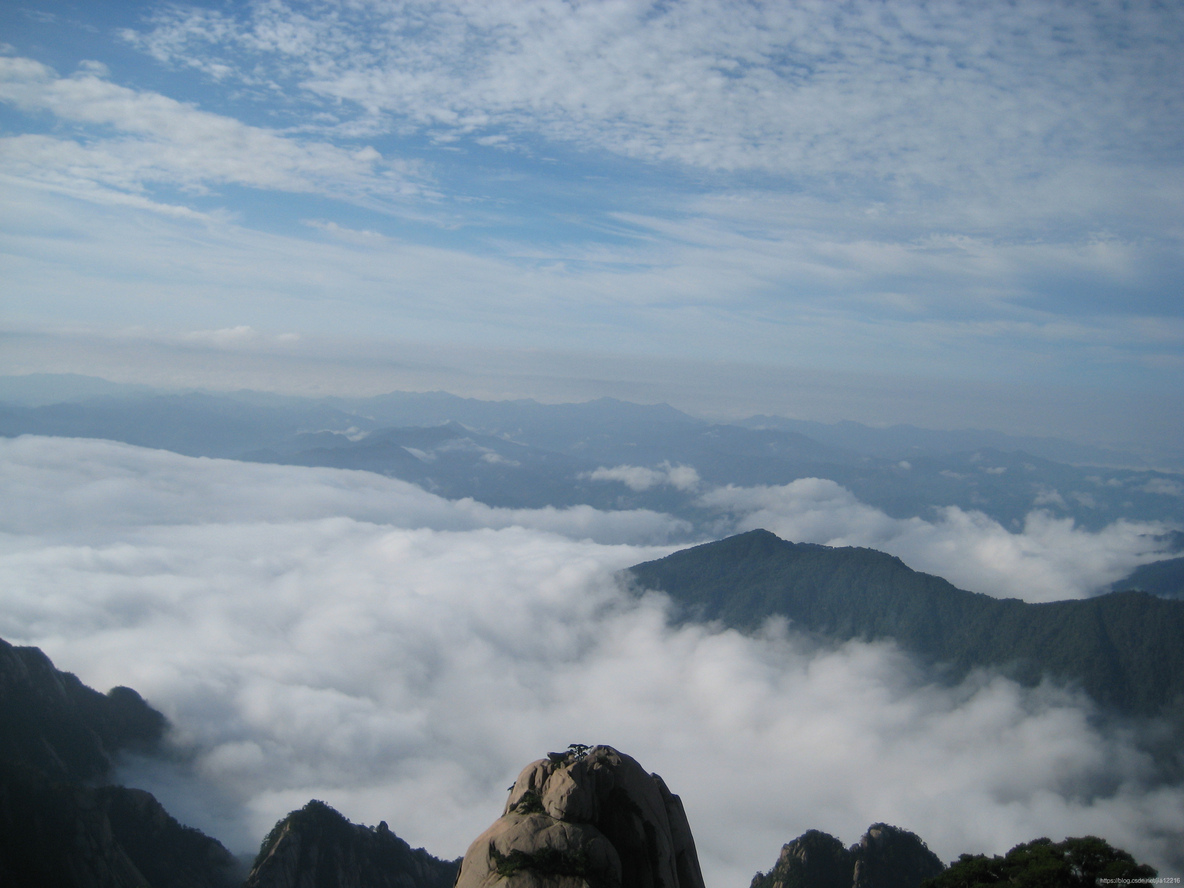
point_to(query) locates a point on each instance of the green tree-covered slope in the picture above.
(1123, 648)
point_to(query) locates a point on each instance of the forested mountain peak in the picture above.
(1122, 647)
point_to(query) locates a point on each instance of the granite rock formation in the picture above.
(886, 857)
(317, 847)
(587, 818)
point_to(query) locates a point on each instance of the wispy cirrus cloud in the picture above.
(140, 139)
(799, 90)
(940, 160)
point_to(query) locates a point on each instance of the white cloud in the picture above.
(952, 186)
(1163, 487)
(226, 337)
(314, 633)
(640, 478)
(241, 337)
(151, 139)
(164, 487)
(794, 89)
(1050, 559)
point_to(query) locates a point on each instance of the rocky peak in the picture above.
(54, 723)
(890, 857)
(57, 738)
(815, 859)
(317, 846)
(886, 857)
(587, 818)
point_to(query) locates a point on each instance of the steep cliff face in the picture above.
(53, 722)
(59, 834)
(57, 828)
(886, 857)
(889, 857)
(588, 818)
(317, 847)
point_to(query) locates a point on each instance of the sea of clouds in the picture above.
(316, 633)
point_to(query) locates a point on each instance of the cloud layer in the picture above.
(803, 90)
(1050, 559)
(316, 633)
(150, 139)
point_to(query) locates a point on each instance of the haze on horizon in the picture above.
(951, 215)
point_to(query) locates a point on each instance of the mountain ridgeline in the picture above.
(317, 846)
(1122, 648)
(886, 856)
(523, 454)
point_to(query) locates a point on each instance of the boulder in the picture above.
(587, 818)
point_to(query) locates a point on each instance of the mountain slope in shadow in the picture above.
(1122, 648)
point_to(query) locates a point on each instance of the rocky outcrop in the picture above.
(587, 818)
(59, 834)
(57, 828)
(53, 722)
(886, 857)
(317, 847)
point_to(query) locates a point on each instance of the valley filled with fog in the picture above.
(313, 632)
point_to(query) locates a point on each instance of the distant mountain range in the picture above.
(560, 426)
(1162, 578)
(903, 441)
(523, 454)
(1122, 648)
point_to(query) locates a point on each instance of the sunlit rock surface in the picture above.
(588, 818)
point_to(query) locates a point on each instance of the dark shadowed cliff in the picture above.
(317, 847)
(57, 827)
(886, 857)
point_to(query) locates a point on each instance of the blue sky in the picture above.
(949, 214)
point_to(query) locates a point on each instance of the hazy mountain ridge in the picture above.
(1164, 579)
(525, 454)
(902, 440)
(1122, 648)
(456, 462)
